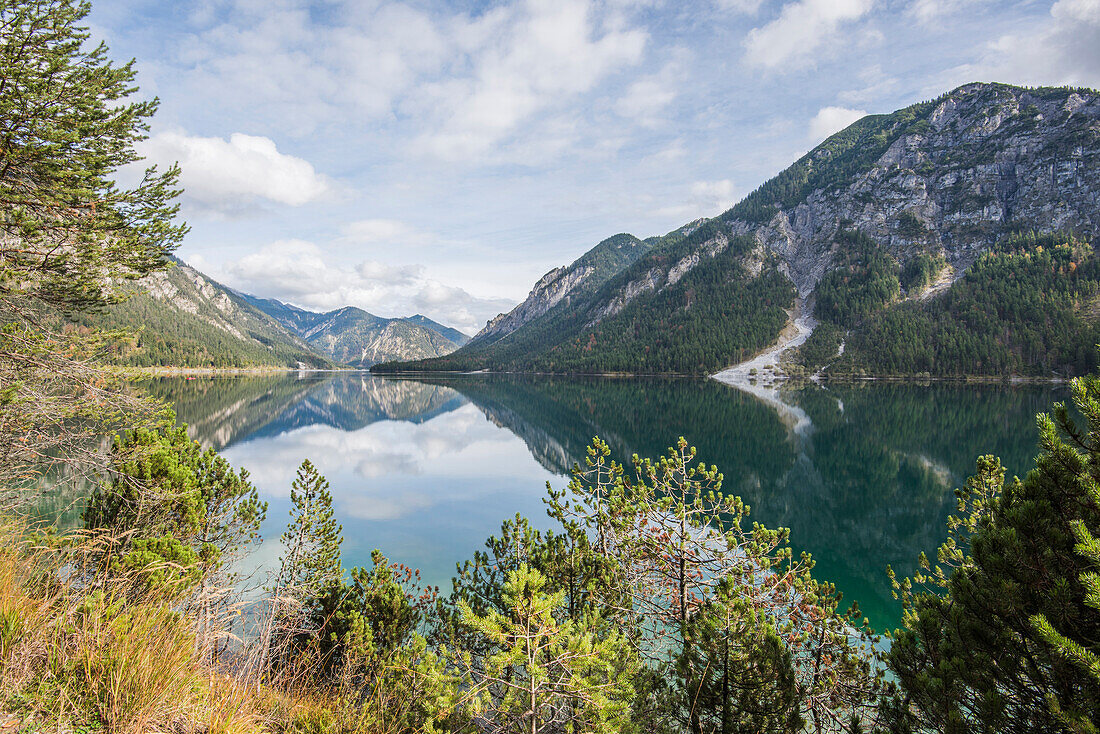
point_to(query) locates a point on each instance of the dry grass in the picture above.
(83, 652)
(79, 652)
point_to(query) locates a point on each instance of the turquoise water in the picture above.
(426, 469)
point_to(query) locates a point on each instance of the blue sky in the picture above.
(440, 157)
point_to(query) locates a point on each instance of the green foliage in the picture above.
(863, 281)
(311, 541)
(367, 647)
(310, 562)
(683, 557)
(747, 682)
(1022, 308)
(910, 225)
(365, 620)
(543, 674)
(70, 234)
(822, 346)
(171, 509)
(713, 317)
(1002, 632)
(920, 271)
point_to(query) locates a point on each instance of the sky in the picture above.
(440, 157)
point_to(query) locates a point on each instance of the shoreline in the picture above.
(772, 381)
(825, 378)
(225, 371)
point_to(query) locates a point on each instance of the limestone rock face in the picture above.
(548, 292)
(987, 157)
(355, 337)
(566, 284)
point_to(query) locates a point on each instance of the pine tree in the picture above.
(680, 550)
(544, 675)
(747, 682)
(312, 539)
(172, 508)
(1002, 633)
(310, 562)
(70, 236)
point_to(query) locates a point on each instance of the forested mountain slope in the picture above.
(886, 217)
(184, 319)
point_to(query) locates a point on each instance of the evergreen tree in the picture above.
(312, 538)
(1003, 632)
(680, 550)
(369, 650)
(747, 681)
(545, 675)
(310, 561)
(70, 236)
(172, 512)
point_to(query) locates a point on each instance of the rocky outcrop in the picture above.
(561, 286)
(550, 290)
(983, 158)
(991, 156)
(355, 337)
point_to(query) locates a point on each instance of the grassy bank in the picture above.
(79, 652)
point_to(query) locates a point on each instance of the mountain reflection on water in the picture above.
(418, 471)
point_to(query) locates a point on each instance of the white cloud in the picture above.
(714, 194)
(230, 175)
(875, 84)
(649, 95)
(543, 54)
(930, 11)
(394, 274)
(386, 231)
(802, 27)
(1065, 50)
(829, 120)
(463, 85)
(748, 7)
(705, 199)
(298, 272)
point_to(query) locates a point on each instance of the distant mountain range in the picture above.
(183, 318)
(952, 237)
(354, 337)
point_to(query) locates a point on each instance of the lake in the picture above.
(425, 469)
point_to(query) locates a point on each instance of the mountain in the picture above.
(563, 287)
(949, 237)
(184, 319)
(355, 337)
(447, 332)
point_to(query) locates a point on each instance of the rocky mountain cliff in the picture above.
(932, 189)
(185, 319)
(567, 285)
(355, 337)
(950, 179)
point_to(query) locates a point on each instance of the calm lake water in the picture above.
(427, 469)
